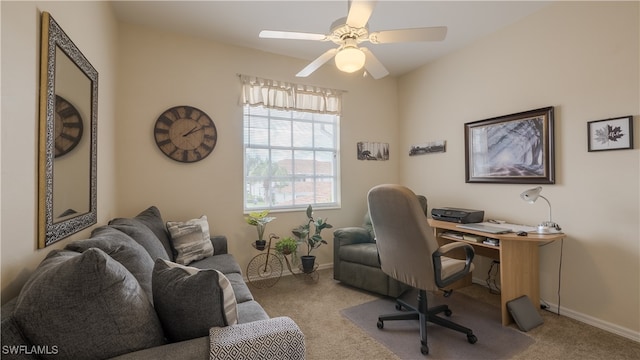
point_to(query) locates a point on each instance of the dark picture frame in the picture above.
(511, 149)
(610, 134)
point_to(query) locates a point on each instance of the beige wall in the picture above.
(92, 27)
(160, 70)
(583, 59)
(580, 58)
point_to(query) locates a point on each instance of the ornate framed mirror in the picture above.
(68, 137)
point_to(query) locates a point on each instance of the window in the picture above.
(290, 159)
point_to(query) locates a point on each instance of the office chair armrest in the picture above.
(437, 263)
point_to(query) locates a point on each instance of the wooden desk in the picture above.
(518, 256)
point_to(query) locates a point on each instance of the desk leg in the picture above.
(519, 273)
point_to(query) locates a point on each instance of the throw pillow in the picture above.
(88, 305)
(190, 301)
(142, 235)
(153, 220)
(190, 239)
(123, 249)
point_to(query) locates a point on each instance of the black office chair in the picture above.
(409, 255)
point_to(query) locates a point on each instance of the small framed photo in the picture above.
(511, 149)
(372, 150)
(610, 134)
(430, 147)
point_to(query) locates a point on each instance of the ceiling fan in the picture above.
(348, 33)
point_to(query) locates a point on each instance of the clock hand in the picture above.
(191, 131)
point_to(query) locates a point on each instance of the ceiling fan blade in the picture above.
(373, 65)
(291, 35)
(437, 33)
(360, 12)
(317, 63)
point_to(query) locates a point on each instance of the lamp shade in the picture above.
(350, 59)
(531, 195)
(546, 227)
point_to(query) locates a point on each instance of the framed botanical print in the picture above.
(610, 134)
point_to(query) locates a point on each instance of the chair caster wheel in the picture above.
(424, 349)
(448, 312)
(472, 339)
(380, 324)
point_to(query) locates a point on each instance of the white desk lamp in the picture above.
(546, 227)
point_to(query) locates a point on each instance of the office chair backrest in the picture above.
(402, 235)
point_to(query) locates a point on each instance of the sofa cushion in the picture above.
(152, 218)
(88, 305)
(240, 287)
(12, 338)
(123, 249)
(139, 232)
(190, 239)
(250, 311)
(225, 263)
(189, 301)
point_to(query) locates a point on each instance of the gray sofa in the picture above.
(356, 262)
(119, 294)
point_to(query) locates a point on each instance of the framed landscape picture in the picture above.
(511, 149)
(610, 134)
(372, 150)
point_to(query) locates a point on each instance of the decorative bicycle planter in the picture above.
(265, 269)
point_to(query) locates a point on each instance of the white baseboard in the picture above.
(590, 320)
(600, 324)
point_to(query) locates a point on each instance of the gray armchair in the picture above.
(356, 262)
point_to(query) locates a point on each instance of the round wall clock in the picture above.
(67, 128)
(185, 134)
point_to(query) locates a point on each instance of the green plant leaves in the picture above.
(303, 232)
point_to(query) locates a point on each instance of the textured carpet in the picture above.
(316, 307)
(402, 337)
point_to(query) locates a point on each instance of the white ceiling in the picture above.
(239, 22)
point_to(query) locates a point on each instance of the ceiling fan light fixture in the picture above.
(350, 59)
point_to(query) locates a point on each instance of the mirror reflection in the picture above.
(68, 129)
(71, 148)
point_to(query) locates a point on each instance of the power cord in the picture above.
(544, 304)
(560, 273)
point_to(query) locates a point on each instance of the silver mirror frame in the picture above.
(49, 231)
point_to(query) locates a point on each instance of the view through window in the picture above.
(290, 159)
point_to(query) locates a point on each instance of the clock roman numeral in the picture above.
(164, 142)
(68, 136)
(176, 113)
(75, 125)
(188, 111)
(161, 131)
(66, 112)
(165, 120)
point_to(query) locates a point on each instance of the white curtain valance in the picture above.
(289, 96)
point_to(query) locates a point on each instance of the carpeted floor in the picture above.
(402, 337)
(316, 307)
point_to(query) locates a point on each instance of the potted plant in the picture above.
(287, 245)
(311, 237)
(259, 219)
